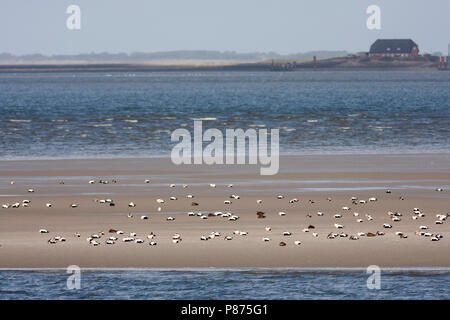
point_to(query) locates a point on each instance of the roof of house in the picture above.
(393, 46)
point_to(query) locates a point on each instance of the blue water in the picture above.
(225, 284)
(124, 114)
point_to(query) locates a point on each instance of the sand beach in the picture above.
(360, 193)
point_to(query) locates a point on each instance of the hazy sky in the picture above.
(284, 26)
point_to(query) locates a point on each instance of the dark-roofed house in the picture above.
(394, 48)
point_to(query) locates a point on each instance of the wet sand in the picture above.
(323, 183)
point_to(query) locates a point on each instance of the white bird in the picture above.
(91, 181)
(160, 200)
(227, 202)
(212, 185)
(139, 241)
(337, 216)
(119, 232)
(74, 205)
(170, 218)
(131, 205)
(423, 228)
(268, 228)
(280, 196)
(259, 201)
(266, 239)
(281, 213)
(345, 208)
(287, 233)
(144, 217)
(320, 214)
(338, 226)
(48, 205)
(297, 243)
(43, 231)
(173, 198)
(147, 181)
(373, 199)
(189, 196)
(387, 226)
(31, 190)
(152, 243)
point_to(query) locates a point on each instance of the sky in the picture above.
(283, 26)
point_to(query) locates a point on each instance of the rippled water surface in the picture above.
(131, 114)
(225, 284)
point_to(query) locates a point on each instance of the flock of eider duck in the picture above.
(111, 236)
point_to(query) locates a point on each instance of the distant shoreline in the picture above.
(334, 64)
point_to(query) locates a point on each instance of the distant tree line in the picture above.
(169, 55)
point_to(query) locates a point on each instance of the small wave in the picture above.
(204, 119)
(102, 125)
(19, 120)
(131, 120)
